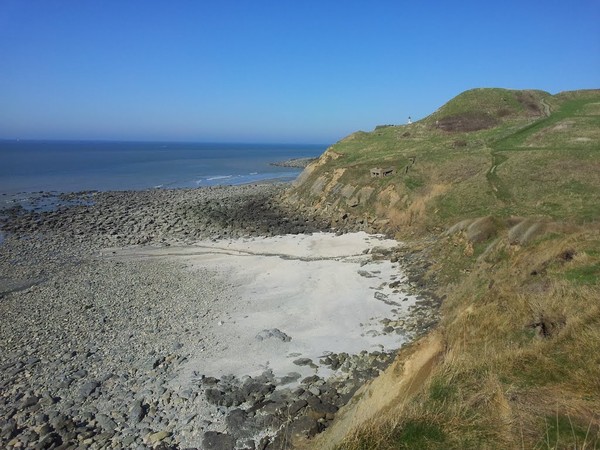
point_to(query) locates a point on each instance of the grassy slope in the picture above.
(512, 168)
(515, 210)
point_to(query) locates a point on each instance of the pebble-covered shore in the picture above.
(90, 347)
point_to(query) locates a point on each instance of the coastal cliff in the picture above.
(495, 196)
(486, 152)
(177, 318)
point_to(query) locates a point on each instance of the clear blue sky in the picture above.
(274, 71)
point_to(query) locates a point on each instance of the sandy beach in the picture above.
(208, 318)
(310, 295)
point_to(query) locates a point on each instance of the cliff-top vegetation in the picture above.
(500, 190)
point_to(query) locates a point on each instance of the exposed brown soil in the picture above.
(529, 102)
(469, 121)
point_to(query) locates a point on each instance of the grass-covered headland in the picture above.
(500, 190)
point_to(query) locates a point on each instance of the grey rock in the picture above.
(106, 422)
(80, 373)
(235, 421)
(213, 440)
(28, 437)
(159, 436)
(32, 360)
(381, 296)
(29, 401)
(365, 274)
(137, 412)
(295, 407)
(45, 429)
(303, 361)
(304, 426)
(41, 418)
(128, 441)
(214, 396)
(9, 429)
(209, 381)
(62, 423)
(290, 378)
(274, 333)
(254, 391)
(49, 441)
(88, 388)
(314, 390)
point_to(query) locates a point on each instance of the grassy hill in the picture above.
(500, 190)
(488, 151)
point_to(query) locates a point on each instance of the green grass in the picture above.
(572, 110)
(413, 182)
(442, 390)
(529, 164)
(418, 434)
(589, 274)
(562, 432)
(500, 103)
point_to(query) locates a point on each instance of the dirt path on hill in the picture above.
(547, 110)
(499, 190)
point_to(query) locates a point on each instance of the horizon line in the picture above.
(165, 141)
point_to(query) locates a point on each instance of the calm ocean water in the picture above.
(72, 166)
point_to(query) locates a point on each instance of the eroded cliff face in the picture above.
(392, 390)
(351, 199)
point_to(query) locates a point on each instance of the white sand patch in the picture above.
(313, 288)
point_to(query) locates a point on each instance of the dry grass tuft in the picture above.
(521, 364)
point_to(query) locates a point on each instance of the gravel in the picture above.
(90, 346)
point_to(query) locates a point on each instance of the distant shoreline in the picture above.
(117, 166)
(42, 201)
(298, 163)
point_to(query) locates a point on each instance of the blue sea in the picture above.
(73, 166)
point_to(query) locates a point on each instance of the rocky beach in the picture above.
(212, 318)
